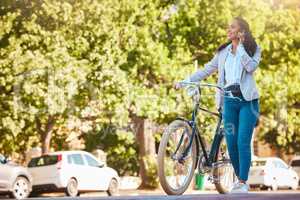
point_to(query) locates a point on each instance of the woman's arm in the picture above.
(249, 63)
(209, 68)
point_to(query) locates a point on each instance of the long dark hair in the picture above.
(249, 42)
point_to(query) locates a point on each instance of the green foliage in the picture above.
(151, 171)
(280, 102)
(97, 62)
(120, 146)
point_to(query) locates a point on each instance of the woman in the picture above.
(236, 62)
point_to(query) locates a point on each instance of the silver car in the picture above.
(14, 179)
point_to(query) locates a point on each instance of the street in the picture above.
(157, 194)
(250, 196)
(190, 195)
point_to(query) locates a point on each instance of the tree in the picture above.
(82, 66)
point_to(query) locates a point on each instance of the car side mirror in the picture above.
(2, 159)
(6, 160)
(101, 165)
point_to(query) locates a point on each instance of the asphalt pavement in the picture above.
(191, 195)
(249, 196)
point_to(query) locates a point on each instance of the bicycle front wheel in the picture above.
(175, 170)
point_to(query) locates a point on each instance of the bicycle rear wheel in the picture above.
(223, 172)
(174, 175)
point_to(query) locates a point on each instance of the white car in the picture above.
(72, 172)
(272, 172)
(295, 164)
(15, 180)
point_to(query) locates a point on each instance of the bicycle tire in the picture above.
(224, 162)
(175, 125)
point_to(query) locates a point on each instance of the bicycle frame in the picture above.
(191, 150)
(200, 142)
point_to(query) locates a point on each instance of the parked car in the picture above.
(295, 164)
(72, 172)
(15, 180)
(272, 172)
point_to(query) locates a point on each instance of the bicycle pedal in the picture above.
(213, 179)
(221, 163)
(181, 161)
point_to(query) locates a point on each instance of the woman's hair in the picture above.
(249, 42)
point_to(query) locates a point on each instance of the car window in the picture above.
(70, 160)
(280, 164)
(258, 163)
(295, 163)
(91, 161)
(275, 164)
(77, 159)
(43, 161)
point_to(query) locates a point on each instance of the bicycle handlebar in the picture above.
(197, 84)
(201, 84)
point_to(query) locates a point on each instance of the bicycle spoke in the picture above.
(224, 171)
(178, 163)
(181, 170)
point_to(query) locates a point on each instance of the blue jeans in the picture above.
(239, 121)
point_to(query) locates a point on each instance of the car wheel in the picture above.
(295, 186)
(113, 188)
(263, 187)
(72, 188)
(21, 188)
(274, 186)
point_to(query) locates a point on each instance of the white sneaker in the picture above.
(240, 188)
(235, 184)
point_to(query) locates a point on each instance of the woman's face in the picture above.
(232, 30)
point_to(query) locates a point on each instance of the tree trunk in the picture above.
(45, 133)
(46, 139)
(146, 143)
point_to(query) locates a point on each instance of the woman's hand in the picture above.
(177, 85)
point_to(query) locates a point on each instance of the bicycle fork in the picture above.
(193, 125)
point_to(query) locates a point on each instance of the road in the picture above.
(191, 195)
(250, 196)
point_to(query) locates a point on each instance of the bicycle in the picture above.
(182, 149)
